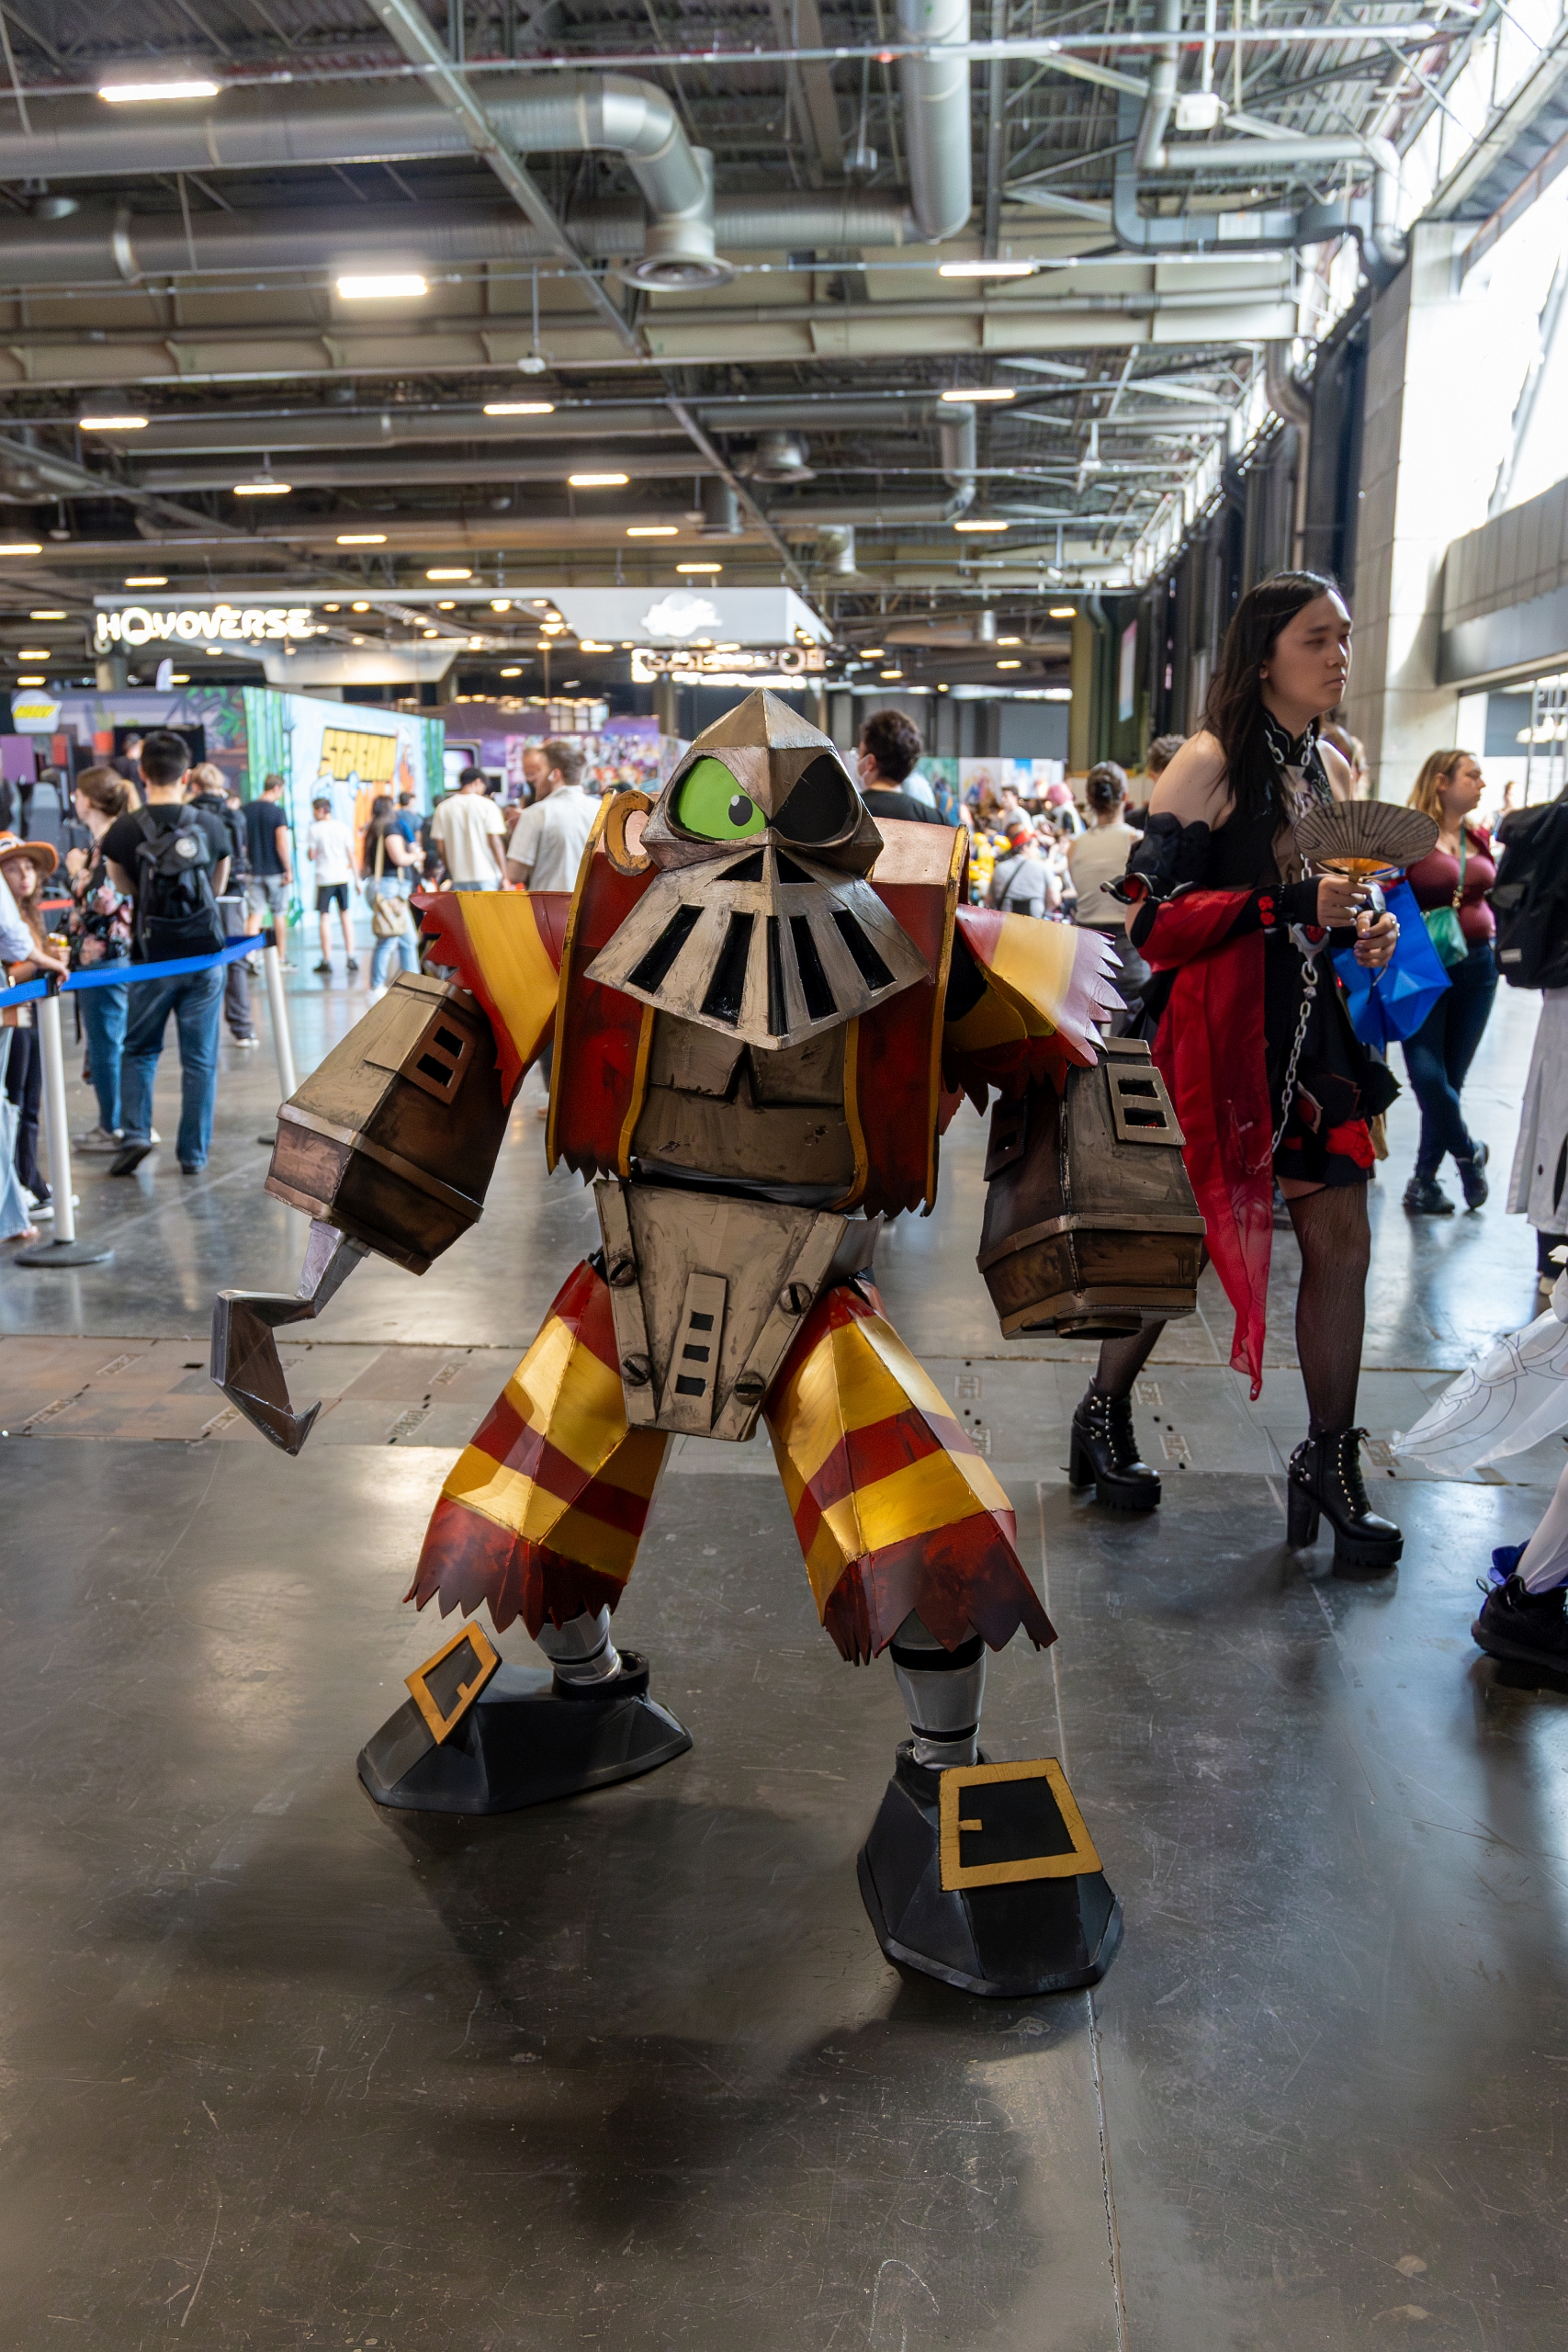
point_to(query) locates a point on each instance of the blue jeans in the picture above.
(104, 1012)
(15, 1216)
(1439, 1054)
(399, 949)
(195, 1000)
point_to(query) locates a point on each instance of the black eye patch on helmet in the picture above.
(820, 807)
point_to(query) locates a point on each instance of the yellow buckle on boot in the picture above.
(1024, 1826)
(446, 1685)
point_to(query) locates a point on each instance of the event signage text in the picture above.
(712, 660)
(136, 625)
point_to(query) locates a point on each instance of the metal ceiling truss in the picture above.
(730, 253)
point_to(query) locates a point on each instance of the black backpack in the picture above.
(176, 914)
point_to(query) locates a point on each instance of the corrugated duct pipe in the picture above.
(935, 91)
(97, 246)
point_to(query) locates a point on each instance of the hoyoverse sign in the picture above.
(138, 625)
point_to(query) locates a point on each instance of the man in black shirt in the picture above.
(889, 749)
(269, 847)
(207, 788)
(195, 998)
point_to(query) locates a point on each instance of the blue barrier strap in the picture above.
(110, 976)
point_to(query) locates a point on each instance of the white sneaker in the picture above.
(154, 1137)
(96, 1139)
(377, 994)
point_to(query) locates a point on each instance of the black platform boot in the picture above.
(1521, 1627)
(1105, 1454)
(1326, 1479)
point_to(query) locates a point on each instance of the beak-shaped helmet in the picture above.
(760, 921)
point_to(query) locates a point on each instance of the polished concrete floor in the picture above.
(277, 2072)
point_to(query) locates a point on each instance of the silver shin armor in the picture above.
(580, 1650)
(942, 1690)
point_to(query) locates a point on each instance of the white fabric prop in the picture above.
(1516, 1396)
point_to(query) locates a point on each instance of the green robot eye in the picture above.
(711, 803)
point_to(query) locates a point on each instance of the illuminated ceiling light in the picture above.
(890, 673)
(873, 652)
(356, 640)
(627, 644)
(1009, 665)
(32, 653)
(979, 524)
(598, 481)
(474, 643)
(21, 547)
(361, 538)
(515, 671)
(214, 653)
(445, 605)
(653, 530)
(552, 629)
(728, 645)
(592, 645)
(181, 678)
(148, 580)
(127, 424)
(142, 93)
(449, 571)
(1010, 640)
(48, 616)
(1063, 612)
(432, 632)
(332, 609)
(264, 486)
(520, 408)
(540, 604)
(1058, 694)
(986, 268)
(501, 603)
(981, 392)
(382, 286)
(699, 567)
(37, 680)
(360, 607)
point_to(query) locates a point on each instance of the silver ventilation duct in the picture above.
(956, 432)
(935, 91)
(94, 245)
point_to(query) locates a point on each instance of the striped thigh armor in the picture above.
(895, 1509)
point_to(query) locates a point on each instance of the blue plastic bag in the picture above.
(1394, 1001)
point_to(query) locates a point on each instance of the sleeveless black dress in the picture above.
(1338, 1086)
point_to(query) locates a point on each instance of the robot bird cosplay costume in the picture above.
(765, 1008)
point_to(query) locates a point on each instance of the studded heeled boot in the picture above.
(1325, 1480)
(1105, 1454)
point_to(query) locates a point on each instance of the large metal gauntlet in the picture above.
(390, 1147)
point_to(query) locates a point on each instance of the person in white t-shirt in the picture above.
(551, 834)
(329, 845)
(469, 830)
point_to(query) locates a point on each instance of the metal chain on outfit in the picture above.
(1308, 775)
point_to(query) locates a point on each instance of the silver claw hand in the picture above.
(245, 1363)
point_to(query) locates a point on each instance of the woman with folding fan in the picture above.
(1267, 1077)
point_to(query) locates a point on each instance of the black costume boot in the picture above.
(1522, 1627)
(1424, 1196)
(1105, 1454)
(530, 1734)
(1325, 1478)
(1008, 1939)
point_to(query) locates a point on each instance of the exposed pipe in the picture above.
(1289, 398)
(1279, 230)
(97, 246)
(935, 92)
(1154, 120)
(957, 432)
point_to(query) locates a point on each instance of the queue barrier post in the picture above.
(62, 1248)
(282, 1040)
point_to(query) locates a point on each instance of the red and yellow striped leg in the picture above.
(543, 1513)
(895, 1509)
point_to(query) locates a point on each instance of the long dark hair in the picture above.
(1234, 712)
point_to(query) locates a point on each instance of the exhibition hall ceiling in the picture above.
(941, 316)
